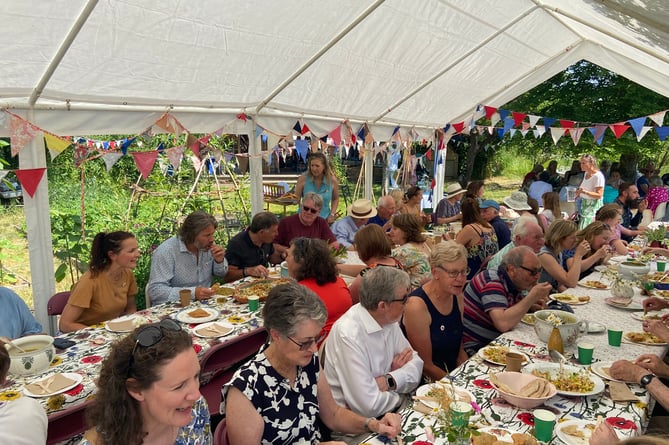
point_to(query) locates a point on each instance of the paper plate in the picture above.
(488, 354)
(633, 306)
(502, 434)
(116, 325)
(601, 369)
(77, 378)
(585, 427)
(461, 395)
(221, 324)
(594, 284)
(595, 328)
(652, 315)
(571, 299)
(185, 318)
(554, 369)
(647, 342)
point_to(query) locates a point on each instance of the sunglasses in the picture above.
(310, 209)
(151, 334)
(307, 344)
(532, 271)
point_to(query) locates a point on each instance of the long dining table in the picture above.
(65, 410)
(629, 418)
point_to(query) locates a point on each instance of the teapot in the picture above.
(570, 328)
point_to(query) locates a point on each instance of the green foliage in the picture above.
(6, 277)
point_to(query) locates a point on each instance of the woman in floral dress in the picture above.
(413, 250)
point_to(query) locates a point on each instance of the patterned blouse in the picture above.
(289, 412)
(477, 253)
(415, 262)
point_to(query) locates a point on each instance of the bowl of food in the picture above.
(631, 269)
(37, 355)
(525, 391)
(567, 323)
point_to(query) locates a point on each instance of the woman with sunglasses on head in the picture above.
(311, 264)
(319, 178)
(561, 236)
(148, 391)
(432, 320)
(279, 395)
(108, 289)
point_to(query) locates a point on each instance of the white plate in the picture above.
(627, 340)
(573, 440)
(618, 259)
(482, 351)
(529, 319)
(633, 306)
(570, 299)
(138, 321)
(78, 378)
(502, 434)
(649, 316)
(222, 324)
(599, 369)
(185, 318)
(585, 283)
(461, 395)
(554, 369)
(595, 328)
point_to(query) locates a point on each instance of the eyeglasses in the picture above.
(455, 273)
(532, 271)
(151, 334)
(400, 300)
(310, 209)
(307, 344)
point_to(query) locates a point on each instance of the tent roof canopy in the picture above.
(116, 64)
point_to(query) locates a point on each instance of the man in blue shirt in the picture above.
(16, 320)
(358, 215)
(385, 210)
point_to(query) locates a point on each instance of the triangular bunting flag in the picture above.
(336, 135)
(637, 124)
(21, 133)
(512, 132)
(193, 144)
(197, 162)
(662, 132)
(598, 133)
(297, 127)
(495, 118)
(175, 155)
(534, 119)
(618, 129)
(305, 129)
(524, 132)
(489, 111)
(30, 179)
(567, 123)
(459, 126)
(642, 133)
(548, 121)
(56, 143)
(536, 134)
(557, 133)
(302, 147)
(259, 130)
(518, 117)
(508, 125)
(144, 161)
(503, 114)
(576, 134)
(80, 154)
(111, 159)
(658, 118)
(170, 124)
(242, 117)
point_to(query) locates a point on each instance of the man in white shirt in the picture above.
(368, 361)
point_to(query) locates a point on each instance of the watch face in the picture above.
(645, 380)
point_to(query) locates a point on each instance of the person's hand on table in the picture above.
(203, 293)
(653, 363)
(657, 328)
(654, 304)
(627, 371)
(217, 252)
(259, 271)
(604, 434)
(390, 425)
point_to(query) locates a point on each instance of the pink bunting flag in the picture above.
(21, 132)
(30, 179)
(80, 154)
(489, 111)
(197, 162)
(658, 118)
(144, 161)
(175, 155)
(576, 134)
(336, 135)
(518, 117)
(619, 129)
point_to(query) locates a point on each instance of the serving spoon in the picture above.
(14, 345)
(557, 357)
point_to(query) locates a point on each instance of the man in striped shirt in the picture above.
(496, 300)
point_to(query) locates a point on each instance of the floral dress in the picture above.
(288, 411)
(479, 252)
(415, 263)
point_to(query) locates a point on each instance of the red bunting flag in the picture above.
(305, 129)
(459, 127)
(566, 123)
(30, 179)
(619, 129)
(145, 161)
(489, 111)
(518, 117)
(242, 117)
(336, 135)
(193, 144)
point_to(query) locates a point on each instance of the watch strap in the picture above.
(645, 380)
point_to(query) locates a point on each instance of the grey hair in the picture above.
(515, 257)
(263, 220)
(315, 197)
(385, 200)
(655, 181)
(195, 223)
(447, 252)
(521, 227)
(380, 284)
(290, 304)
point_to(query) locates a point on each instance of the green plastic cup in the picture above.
(615, 336)
(585, 353)
(661, 265)
(460, 413)
(254, 303)
(544, 422)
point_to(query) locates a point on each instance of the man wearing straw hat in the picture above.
(358, 215)
(448, 209)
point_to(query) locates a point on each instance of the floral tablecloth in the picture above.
(629, 418)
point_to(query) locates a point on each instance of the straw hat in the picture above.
(361, 209)
(517, 201)
(454, 189)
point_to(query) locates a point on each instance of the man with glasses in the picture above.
(368, 362)
(495, 300)
(306, 224)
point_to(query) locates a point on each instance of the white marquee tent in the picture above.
(115, 66)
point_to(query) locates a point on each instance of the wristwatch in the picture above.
(645, 380)
(390, 381)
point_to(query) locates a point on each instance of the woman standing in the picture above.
(108, 289)
(591, 190)
(413, 248)
(432, 319)
(413, 199)
(311, 264)
(477, 235)
(320, 179)
(149, 391)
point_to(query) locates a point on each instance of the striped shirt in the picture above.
(490, 289)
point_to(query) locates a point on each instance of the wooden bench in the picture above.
(271, 194)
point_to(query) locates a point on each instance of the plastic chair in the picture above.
(54, 308)
(647, 218)
(221, 434)
(660, 210)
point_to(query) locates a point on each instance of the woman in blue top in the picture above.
(320, 179)
(432, 318)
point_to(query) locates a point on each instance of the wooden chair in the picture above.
(221, 434)
(54, 308)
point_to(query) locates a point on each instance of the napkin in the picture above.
(621, 393)
(422, 408)
(214, 330)
(50, 384)
(120, 326)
